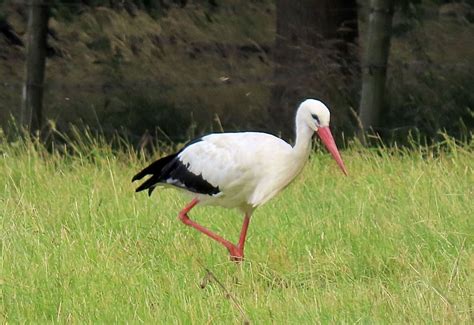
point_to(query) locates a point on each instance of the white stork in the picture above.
(240, 170)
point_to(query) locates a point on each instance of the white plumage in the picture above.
(247, 167)
(240, 170)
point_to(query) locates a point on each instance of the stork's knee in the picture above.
(184, 218)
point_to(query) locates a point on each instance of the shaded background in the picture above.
(176, 69)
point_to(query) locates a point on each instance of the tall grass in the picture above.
(391, 243)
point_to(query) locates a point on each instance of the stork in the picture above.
(240, 170)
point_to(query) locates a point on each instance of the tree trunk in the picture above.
(31, 113)
(314, 38)
(375, 60)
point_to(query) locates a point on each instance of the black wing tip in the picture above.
(150, 190)
(135, 178)
(142, 187)
(155, 169)
(140, 175)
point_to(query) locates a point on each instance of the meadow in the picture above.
(390, 243)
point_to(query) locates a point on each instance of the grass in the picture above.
(391, 243)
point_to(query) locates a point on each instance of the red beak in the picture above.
(326, 136)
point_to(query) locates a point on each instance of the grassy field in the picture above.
(391, 243)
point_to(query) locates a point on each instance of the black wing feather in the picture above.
(171, 170)
(155, 168)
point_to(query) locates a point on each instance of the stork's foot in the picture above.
(236, 254)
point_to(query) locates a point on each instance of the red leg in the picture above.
(236, 252)
(185, 219)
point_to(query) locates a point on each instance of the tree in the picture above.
(314, 38)
(31, 112)
(375, 60)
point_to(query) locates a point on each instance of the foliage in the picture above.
(431, 87)
(112, 64)
(412, 102)
(163, 120)
(391, 243)
(407, 6)
(66, 9)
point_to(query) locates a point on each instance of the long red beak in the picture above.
(326, 136)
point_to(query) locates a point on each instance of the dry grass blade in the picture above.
(227, 294)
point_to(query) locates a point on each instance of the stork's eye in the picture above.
(316, 119)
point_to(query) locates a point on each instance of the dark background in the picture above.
(176, 69)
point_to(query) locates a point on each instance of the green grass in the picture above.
(391, 243)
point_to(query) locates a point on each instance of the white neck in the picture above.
(304, 134)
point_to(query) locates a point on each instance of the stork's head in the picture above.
(316, 115)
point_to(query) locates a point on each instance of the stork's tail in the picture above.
(156, 170)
